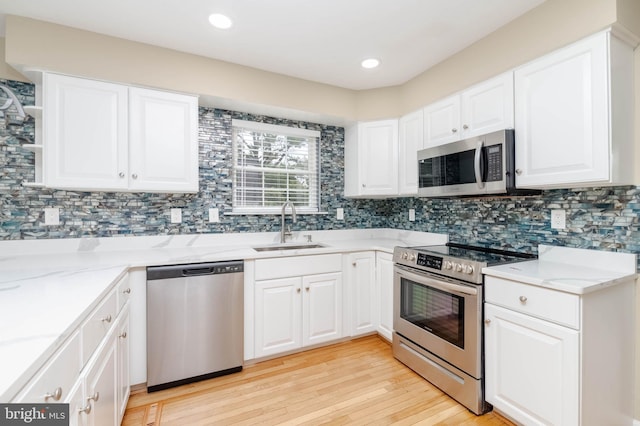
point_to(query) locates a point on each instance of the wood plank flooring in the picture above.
(356, 382)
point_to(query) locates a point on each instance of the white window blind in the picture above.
(273, 164)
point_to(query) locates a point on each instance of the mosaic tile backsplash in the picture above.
(599, 218)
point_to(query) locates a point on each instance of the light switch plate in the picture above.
(412, 215)
(52, 216)
(176, 215)
(558, 219)
(340, 213)
(214, 215)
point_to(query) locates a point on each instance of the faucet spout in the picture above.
(283, 232)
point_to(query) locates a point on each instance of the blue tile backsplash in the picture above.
(598, 218)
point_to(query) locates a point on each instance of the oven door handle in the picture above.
(440, 285)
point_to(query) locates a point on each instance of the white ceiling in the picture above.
(318, 40)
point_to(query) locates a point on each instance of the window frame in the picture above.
(286, 131)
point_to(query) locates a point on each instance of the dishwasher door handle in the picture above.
(193, 272)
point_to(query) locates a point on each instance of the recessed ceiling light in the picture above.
(220, 21)
(370, 63)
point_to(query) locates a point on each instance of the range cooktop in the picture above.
(456, 260)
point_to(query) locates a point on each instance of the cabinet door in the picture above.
(322, 308)
(361, 276)
(278, 319)
(124, 384)
(488, 107)
(384, 287)
(442, 122)
(85, 133)
(532, 368)
(411, 136)
(562, 122)
(101, 390)
(163, 142)
(378, 157)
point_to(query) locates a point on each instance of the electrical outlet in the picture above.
(558, 219)
(412, 215)
(340, 213)
(176, 215)
(214, 215)
(52, 216)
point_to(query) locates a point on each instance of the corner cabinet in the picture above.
(558, 358)
(371, 159)
(298, 302)
(480, 109)
(100, 136)
(574, 116)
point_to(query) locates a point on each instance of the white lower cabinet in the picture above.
(360, 275)
(298, 302)
(532, 368)
(91, 369)
(384, 293)
(558, 358)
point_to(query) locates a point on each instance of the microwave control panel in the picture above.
(494, 163)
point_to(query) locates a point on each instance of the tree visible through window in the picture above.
(273, 164)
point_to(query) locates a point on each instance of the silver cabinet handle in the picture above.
(307, 288)
(127, 291)
(86, 409)
(354, 264)
(107, 318)
(135, 176)
(123, 335)
(523, 299)
(518, 172)
(95, 397)
(121, 174)
(487, 321)
(56, 395)
(465, 127)
(364, 185)
(454, 130)
(298, 290)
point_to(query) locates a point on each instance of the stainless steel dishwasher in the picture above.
(194, 322)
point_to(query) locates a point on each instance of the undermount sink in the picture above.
(289, 247)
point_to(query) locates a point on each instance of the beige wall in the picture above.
(553, 24)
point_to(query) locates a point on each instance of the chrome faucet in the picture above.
(284, 233)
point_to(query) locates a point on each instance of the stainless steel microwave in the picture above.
(482, 165)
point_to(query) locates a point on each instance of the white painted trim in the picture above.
(265, 127)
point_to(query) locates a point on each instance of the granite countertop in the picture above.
(570, 270)
(47, 287)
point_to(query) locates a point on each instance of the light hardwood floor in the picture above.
(356, 382)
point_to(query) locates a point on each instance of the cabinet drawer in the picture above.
(60, 372)
(297, 266)
(123, 290)
(556, 306)
(98, 325)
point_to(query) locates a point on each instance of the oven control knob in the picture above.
(448, 265)
(458, 267)
(412, 257)
(405, 255)
(467, 269)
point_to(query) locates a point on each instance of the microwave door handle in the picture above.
(477, 165)
(440, 285)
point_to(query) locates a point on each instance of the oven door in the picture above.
(441, 315)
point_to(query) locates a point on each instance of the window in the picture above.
(273, 164)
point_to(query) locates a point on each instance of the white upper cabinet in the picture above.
(574, 116)
(411, 136)
(102, 136)
(86, 139)
(481, 109)
(371, 159)
(162, 155)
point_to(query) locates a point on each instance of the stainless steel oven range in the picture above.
(438, 313)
